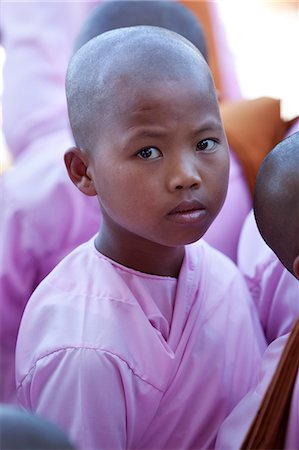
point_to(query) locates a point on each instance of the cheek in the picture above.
(120, 190)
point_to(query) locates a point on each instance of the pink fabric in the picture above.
(230, 83)
(274, 290)
(38, 39)
(43, 217)
(122, 372)
(276, 295)
(224, 232)
(234, 428)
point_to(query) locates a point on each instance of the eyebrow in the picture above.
(211, 126)
(209, 129)
(148, 133)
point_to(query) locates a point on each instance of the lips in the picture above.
(188, 212)
(186, 206)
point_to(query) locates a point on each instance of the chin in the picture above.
(187, 240)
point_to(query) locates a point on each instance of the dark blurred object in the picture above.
(22, 430)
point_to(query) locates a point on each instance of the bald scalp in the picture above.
(117, 60)
(276, 200)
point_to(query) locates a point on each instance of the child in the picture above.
(29, 249)
(138, 339)
(276, 208)
(21, 430)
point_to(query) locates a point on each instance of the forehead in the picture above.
(139, 79)
(175, 96)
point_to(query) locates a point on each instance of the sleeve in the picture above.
(83, 391)
(235, 427)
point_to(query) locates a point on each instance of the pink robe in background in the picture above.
(123, 359)
(38, 40)
(224, 232)
(43, 217)
(275, 291)
(235, 427)
(229, 81)
(276, 294)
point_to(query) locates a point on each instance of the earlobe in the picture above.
(296, 267)
(76, 162)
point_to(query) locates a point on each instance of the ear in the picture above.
(76, 162)
(296, 267)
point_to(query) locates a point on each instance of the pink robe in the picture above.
(235, 427)
(43, 216)
(224, 232)
(123, 359)
(274, 290)
(38, 39)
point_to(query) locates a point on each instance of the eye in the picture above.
(206, 145)
(149, 153)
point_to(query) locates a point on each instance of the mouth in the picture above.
(188, 212)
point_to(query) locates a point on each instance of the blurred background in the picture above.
(263, 37)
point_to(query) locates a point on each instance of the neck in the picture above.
(140, 254)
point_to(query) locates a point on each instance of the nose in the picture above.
(184, 174)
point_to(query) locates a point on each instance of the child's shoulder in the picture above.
(214, 262)
(84, 271)
(82, 295)
(219, 274)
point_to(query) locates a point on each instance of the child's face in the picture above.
(160, 167)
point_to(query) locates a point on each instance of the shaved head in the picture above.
(276, 200)
(118, 61)
(171, 15)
